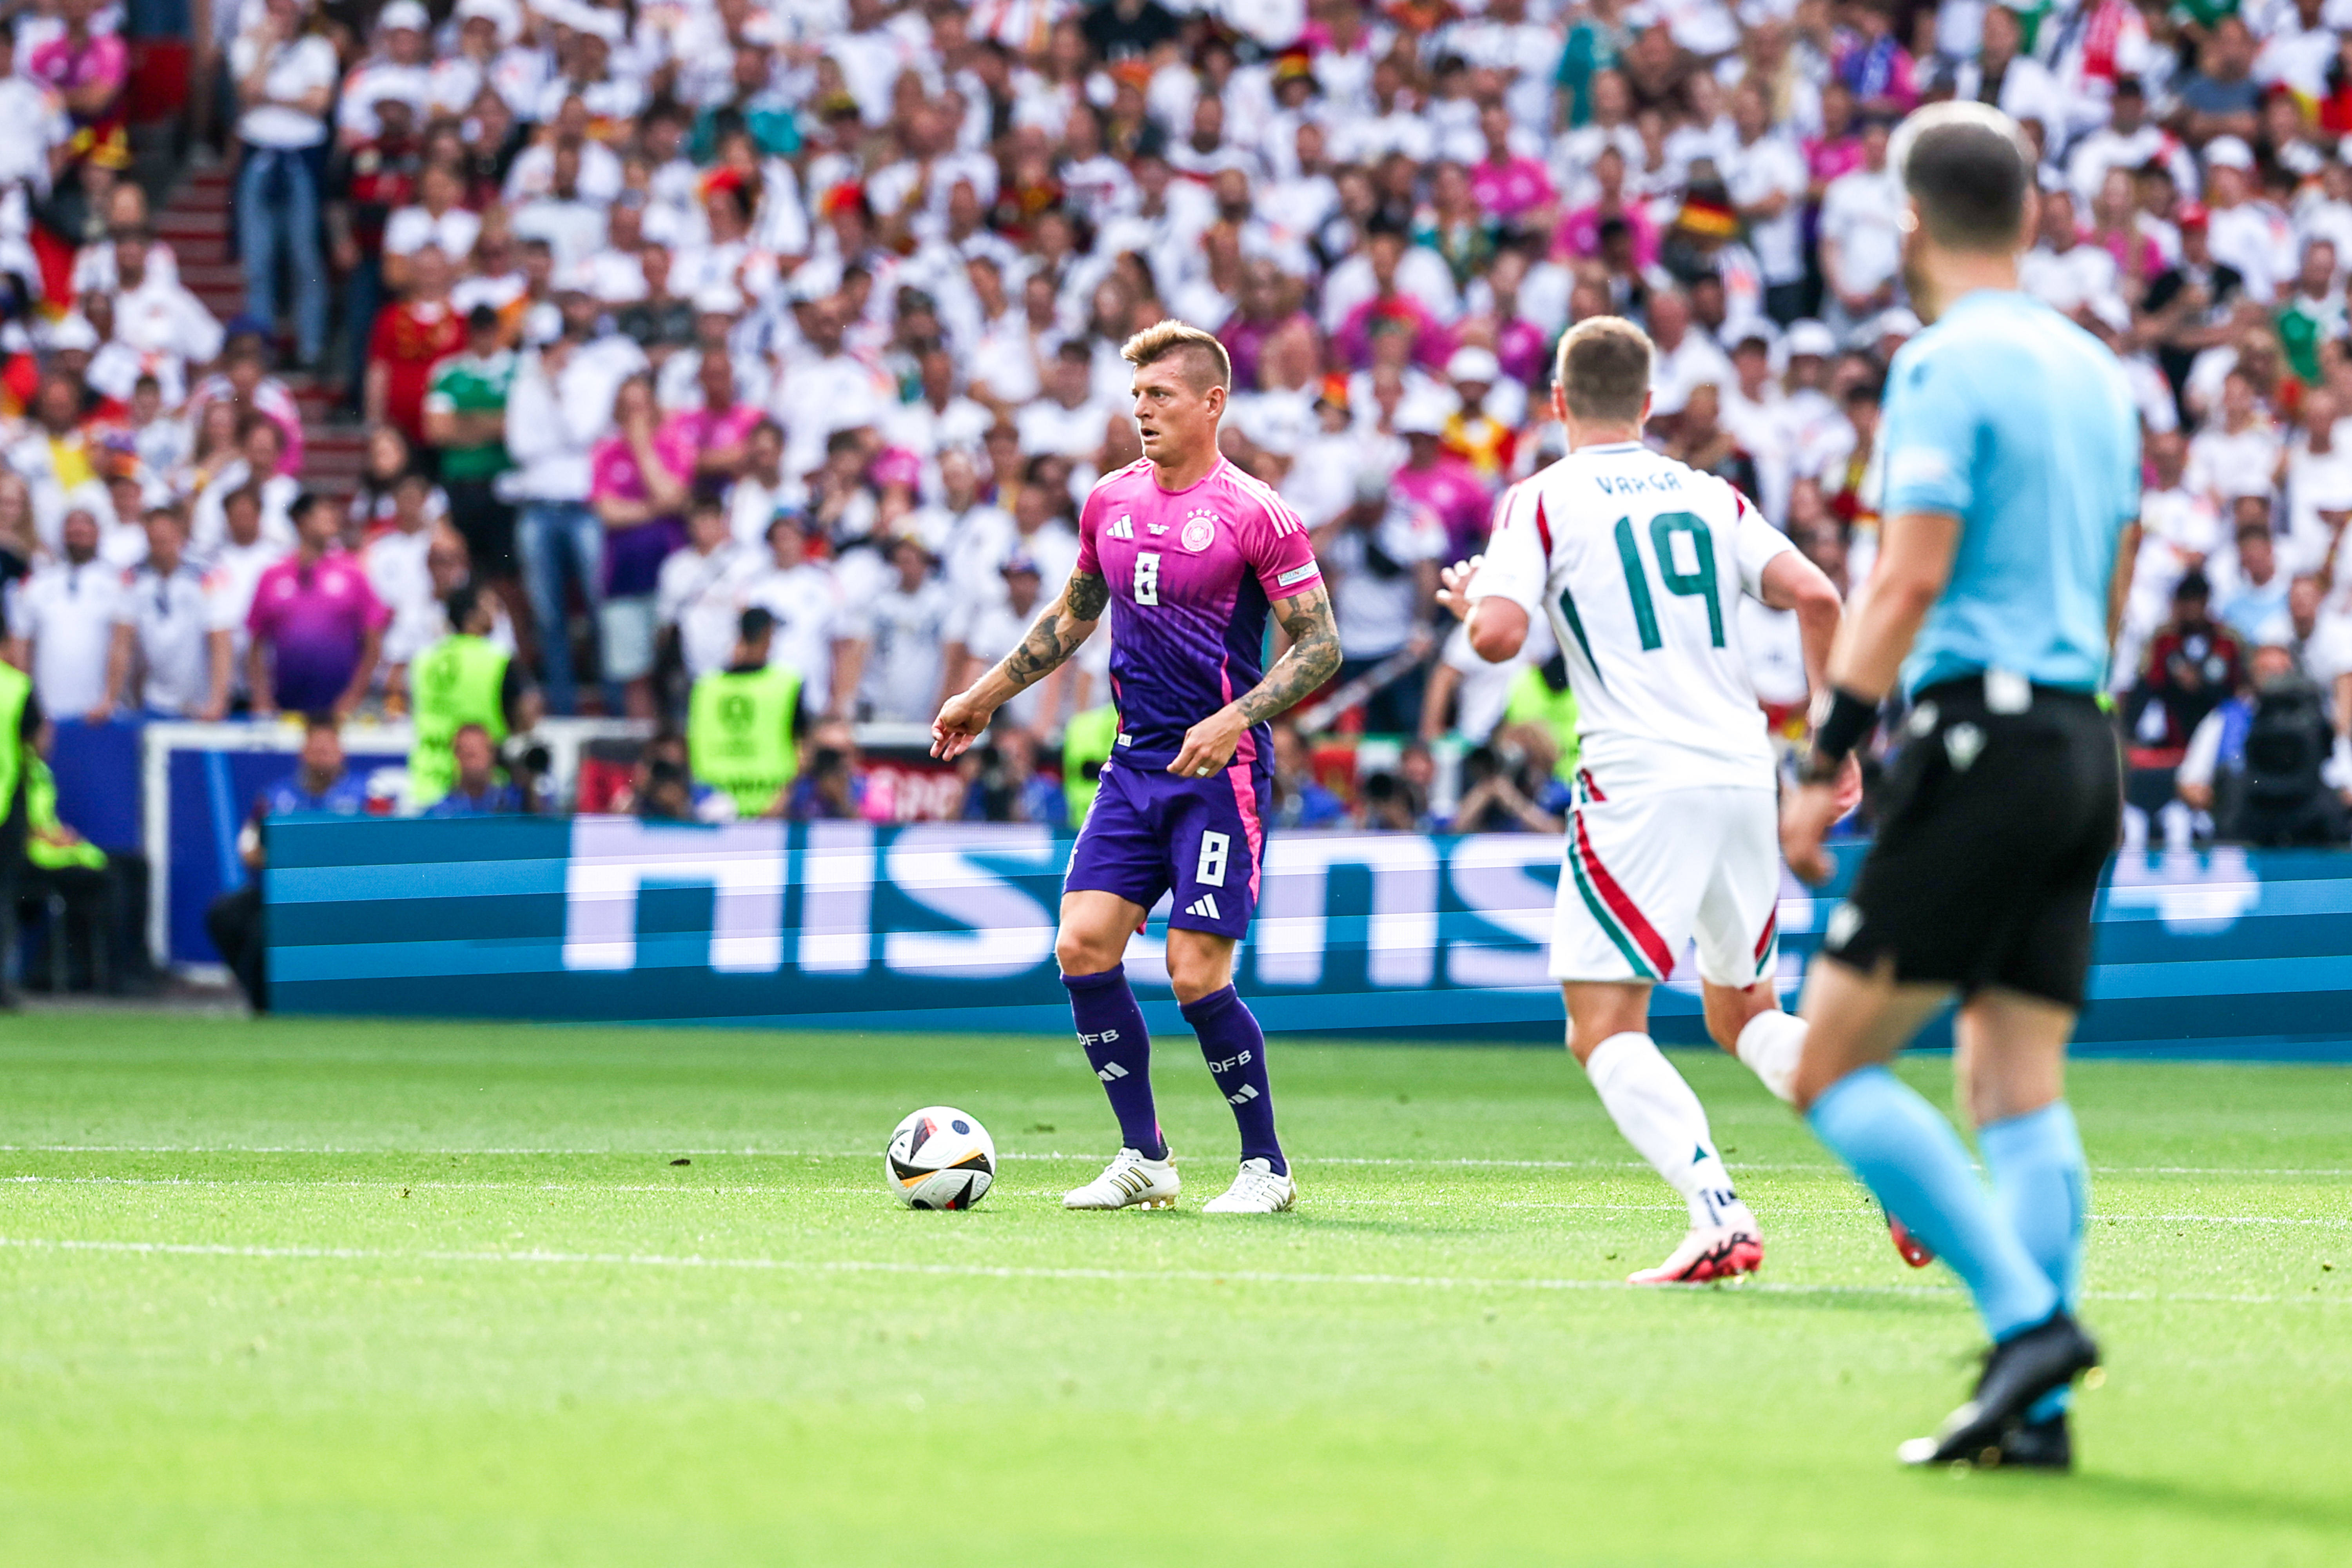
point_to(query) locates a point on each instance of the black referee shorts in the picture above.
(1996, 829)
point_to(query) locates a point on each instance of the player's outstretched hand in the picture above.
(962, 719)
(1209, 745)
(1806, 812)
(1453, 586)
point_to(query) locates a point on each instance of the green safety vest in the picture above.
(41, 816)
(16, 689)
(739, 735)
(457, 682)
(1088, 738)
(1533, 702)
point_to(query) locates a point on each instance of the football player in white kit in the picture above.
(1639, 562)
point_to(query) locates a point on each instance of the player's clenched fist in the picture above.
(962, 719)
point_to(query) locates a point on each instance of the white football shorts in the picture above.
(1647, 873)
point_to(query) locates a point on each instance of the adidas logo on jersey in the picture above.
(1110, 1072)
(1204, 907)
(1123, 529)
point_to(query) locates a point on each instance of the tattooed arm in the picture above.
(1314, 653)
(1068, 621)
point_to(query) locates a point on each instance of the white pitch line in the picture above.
(540, 1259)
(1428, 1162)
(688, 1190)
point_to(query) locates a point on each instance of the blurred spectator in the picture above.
(1498, 795)
(465, 421)
(906, 674)
(815, 630)
(106, 892)
(61, 622)
(320, 786)
(317, 626)
(410, 338)
(1382, 553)
(700, 592)
(640, 484)
(1299, 801)
(286, 72)
(2192, 665)
(2256, 606)
(2260, 762)
(172, 652)
(477, 787)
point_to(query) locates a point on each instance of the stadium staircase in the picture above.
(195, 224)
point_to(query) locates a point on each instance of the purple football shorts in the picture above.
(1204, 839)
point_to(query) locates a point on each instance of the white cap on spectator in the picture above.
(2111, 313)
(73, 333)
(1895, 323)
(719, 299)
(1425, 414)
(2228, 152)
(501, 14)
(405, 15)
(1812, 338)
(1473, 363)
(601, 24)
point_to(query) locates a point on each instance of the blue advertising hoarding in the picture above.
(948, 927)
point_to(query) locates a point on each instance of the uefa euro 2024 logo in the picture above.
(1200, 530)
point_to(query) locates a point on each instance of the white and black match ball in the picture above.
(940, 1158)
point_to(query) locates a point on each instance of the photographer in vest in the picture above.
(743, 723)
(463, 679)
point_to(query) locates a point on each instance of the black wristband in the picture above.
(1850, 719)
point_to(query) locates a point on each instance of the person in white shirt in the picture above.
(246, 551)
(985, 634)
(169, 659)
(1069, 421)
(2236, 454)
(816, 634)
(1677, 822)
(160, 329)
(2318, 484)
(699, 597)
(61, 623)
(1687, 357)
(1766, 175)
(906, 672)
(395, 562)
(1860, 244)
(2060, 269)
(260, 442)
(286, 75)
(437, 219)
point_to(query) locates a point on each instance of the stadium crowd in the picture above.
(707, 336)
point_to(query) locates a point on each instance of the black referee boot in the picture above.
(2039, 1446)
(2019, 1369)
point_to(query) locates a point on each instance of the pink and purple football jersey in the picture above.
(1192, 573)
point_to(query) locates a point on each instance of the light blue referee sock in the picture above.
(2042, 1184)
(1908, 1155)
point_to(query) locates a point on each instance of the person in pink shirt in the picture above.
(718, 434)
(1439, 480)
(1579, 234)
(1838, 149)
(1389, 309)
(317, 626)
(86, 69)
(1510, 186)
(639, 482)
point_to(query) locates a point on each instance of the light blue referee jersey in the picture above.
(2017, 421)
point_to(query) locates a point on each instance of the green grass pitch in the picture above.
(311, 1292)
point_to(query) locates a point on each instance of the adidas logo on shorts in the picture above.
(1204, 907)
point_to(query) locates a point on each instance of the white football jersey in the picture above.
(1640, 562)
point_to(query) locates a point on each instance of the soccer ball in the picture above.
(940, 1158)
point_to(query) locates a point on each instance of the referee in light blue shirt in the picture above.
(2011, 448)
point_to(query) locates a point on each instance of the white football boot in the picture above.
(1708, 1254)
(1129, 1180)
(1256, 1190)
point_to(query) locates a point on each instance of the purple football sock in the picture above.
(1110, 1027)
(1236, 1048)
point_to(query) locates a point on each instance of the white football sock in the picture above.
(1660, 1116)
(1772, 1045)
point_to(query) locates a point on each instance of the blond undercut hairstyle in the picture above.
(1604, 370)
(1206, 363)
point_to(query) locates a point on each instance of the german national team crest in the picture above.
(1200, 530)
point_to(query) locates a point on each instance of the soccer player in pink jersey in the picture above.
(1189, 553)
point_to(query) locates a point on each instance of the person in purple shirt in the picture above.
(1191, 555)
(1439, 480)
(317, 626)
